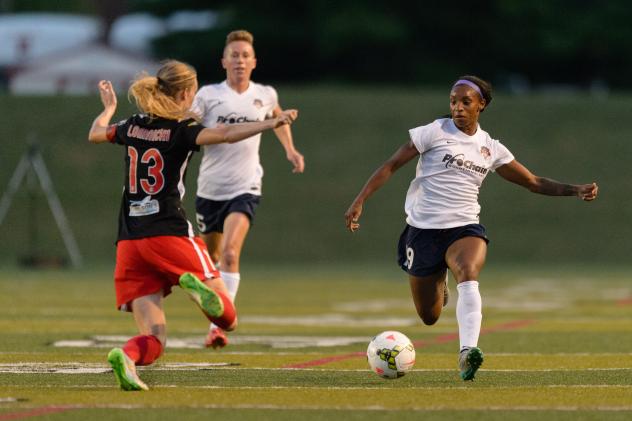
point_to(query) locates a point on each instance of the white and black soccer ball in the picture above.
(391, 354)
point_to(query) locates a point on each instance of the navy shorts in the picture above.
(210, 214)
(421, 252)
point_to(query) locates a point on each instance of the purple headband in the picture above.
(470, 84)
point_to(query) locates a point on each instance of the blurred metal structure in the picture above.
(33, 160)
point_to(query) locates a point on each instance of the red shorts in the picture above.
(149, 265)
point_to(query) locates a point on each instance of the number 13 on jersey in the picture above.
(155, 163)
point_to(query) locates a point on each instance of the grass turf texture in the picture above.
(561, 352)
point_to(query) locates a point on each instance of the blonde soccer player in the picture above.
(156, 247)
(229, 181)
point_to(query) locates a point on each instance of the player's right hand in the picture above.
(286, 117)
(108, 96)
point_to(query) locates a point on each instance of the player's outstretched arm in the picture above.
(519, 174)
(404, 154)
(98, 131)
(236, 132)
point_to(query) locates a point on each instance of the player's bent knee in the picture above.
(230, 256)
(467, 272)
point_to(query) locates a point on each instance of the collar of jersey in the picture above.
(461, 133)
(251, 85)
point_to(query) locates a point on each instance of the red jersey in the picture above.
(157, 152)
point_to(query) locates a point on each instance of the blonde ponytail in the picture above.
(156, 95)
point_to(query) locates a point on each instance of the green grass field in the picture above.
(557, 344)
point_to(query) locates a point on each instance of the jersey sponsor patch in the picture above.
(147, 206)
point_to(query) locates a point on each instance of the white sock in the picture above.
(231, 280)
(468, 313)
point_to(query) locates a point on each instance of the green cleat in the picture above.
(208, 301)
(470, 359)
(125, 371)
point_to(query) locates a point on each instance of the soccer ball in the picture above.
(391, 354)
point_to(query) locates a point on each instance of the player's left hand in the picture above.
(297, 160)
(352, 216)
(588, 192)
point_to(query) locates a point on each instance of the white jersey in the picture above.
(228, 170)
(450, 172)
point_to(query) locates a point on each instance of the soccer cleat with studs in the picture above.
(470, 359)
(209, 302)
(216, 338)
(125, 371)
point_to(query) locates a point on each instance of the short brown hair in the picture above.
(240, 35)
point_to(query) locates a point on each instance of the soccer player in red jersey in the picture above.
(156, 245)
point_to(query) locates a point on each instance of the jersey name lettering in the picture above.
(152, 135)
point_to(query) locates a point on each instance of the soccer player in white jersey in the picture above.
(442, 226)
(229, 182)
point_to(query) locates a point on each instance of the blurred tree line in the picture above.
(571, 42)
(517, 42)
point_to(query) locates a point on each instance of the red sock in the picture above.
(226, 319)
(143, 349)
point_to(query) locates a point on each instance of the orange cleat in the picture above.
(216, 338)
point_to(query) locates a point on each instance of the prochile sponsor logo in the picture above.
(234, 118)
(460, 163)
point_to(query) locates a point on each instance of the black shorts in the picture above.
(210, 214)
(421, 252)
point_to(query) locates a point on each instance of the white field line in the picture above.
(349, 408)
(273, 353)
(561, 354)
(550, 386)
(351, 388)
(96, 368)
(327, 320)
(197, 342)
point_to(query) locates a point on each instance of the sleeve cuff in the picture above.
(110, 132)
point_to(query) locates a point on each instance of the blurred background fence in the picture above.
(362, 74)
